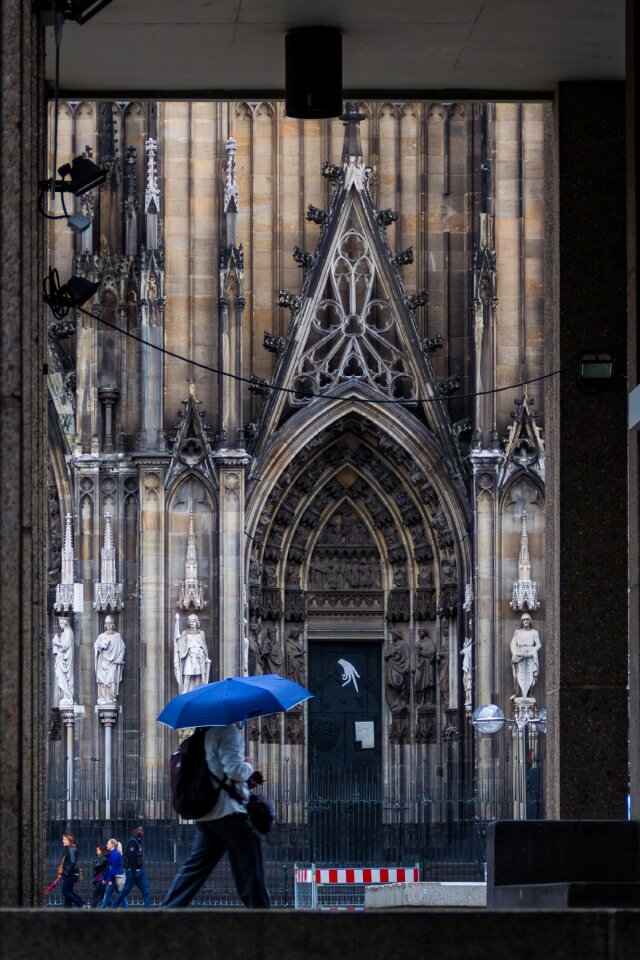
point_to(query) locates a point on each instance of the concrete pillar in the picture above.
(23, 444)
(586, 649)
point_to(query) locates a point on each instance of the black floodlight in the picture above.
(83, 175)
(75, 292)
(595, 371)
(313, 73)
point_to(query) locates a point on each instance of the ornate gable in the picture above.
(353, 328)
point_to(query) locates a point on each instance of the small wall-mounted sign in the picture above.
(365, 734)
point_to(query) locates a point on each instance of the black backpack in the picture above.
(193, 792)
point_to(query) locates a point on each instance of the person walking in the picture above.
(114, 876)
(70, 871)
(226, 828)
(100, 867)
(135, 875)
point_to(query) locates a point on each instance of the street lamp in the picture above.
(490, 719)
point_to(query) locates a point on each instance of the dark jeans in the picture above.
(235, 836)
(136, 878)
(71, 899)
(97, 893)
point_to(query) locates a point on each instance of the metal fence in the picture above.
(340, 817)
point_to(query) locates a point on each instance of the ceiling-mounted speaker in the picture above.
(313, 73)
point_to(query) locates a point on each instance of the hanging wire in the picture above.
(322, 396)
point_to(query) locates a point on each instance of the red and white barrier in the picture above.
(368, 875)
(307, 897)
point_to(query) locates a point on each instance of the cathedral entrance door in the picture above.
(345, 751)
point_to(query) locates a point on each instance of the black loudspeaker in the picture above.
(313, 73)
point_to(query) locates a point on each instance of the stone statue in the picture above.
(271, 656)
(63, 660)
(295, 657)
(109, 662)
(525, 644)
(425, 676)
(396, 659)
(442, 661)
(467, 670)
(191, 661)
(253, 655)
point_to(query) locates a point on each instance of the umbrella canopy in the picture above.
(229, 701)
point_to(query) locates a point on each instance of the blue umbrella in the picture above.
(230, 701)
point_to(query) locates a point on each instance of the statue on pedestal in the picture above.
(63, 660)
(396, 660)
(109, 662)
(295, 657)
(525, 664)
(467, 670)
(191, 661)
(271, 656)
(425, 678)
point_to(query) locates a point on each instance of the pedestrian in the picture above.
(226, 828)
(70, 871)
(100, 867)
(114, 877)
(135, 875)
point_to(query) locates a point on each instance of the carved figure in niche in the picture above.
(399, 578)
(253, 655)
(467, 669)
(293, 579)
(316, 573)
(397, 666)
(425, 676)
(63, 660)
(448, 569)
(425, 576)
(332, 574)
(399, 731)
(525, 644)
(271, 729)
(254, 570)
(109, 662)
(293, 727)
(295, 657)
(270, 578)
(271, 656)
(442, 661)
(333, 530)
(191, 661)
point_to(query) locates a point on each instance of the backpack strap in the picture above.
(228, 787)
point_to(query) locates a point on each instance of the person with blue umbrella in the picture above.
(223, 707)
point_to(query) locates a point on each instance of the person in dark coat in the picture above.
(135, 874)
(100, 867)
(70, 871)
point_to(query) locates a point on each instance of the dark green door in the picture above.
(345, 751)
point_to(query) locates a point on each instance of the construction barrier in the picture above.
(342, 888)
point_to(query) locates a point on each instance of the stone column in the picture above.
(586, 528)
(231, 472)
(23, 436)
(108, 395)
(68, 718)
(108, 714)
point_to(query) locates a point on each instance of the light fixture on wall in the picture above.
(78, 10)
(595, 371)
(313, 73)
(75, 292)
(83, 175)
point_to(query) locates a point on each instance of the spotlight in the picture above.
(595, 372)
(75, 292)
(78, 223)
(313, 73)
(83, 11)
(78, 10)
(84, 176)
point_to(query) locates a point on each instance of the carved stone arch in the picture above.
(409, 109)
(435, 112)
(458, 111)
(243, 110)
(264, 109)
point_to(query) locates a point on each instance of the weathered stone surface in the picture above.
(438, 895)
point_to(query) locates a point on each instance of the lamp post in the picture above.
(490, 719)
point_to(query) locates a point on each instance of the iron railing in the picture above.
(341, 817)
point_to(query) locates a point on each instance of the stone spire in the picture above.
(108, 593)
(231, 201)
(152, 194)
(65, 589)
(524, 589)
(351, 147)
(191, 589)
(131, 206)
